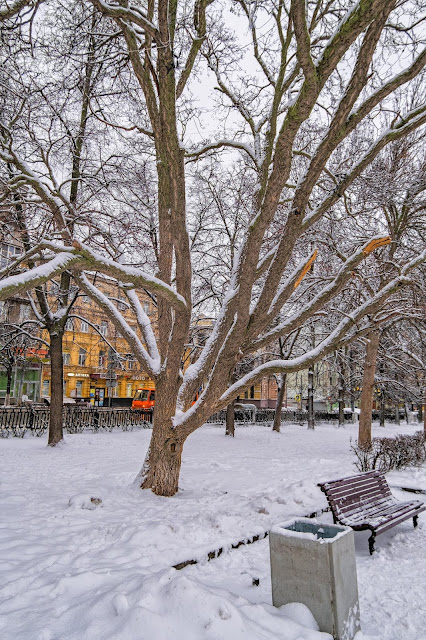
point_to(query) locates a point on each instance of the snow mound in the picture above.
(85, 501)
(174, 605)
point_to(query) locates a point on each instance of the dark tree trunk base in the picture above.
(56, 433)
(280, 401)
(161, 469)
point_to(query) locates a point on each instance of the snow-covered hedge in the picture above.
(387, 454)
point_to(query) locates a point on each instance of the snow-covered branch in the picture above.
(219, 144)
(151, 365)
(30, 279)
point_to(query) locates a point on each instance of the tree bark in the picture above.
(341, 401)
(230, 419)
(311, 417)
(9, 371)
(397, 421)
(382, 408)
(280, 401)
(407, 417)
(351, 385)
(372, 349)
(161, 468)
(424, 411)
(56, 388)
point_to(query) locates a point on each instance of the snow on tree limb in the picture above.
(318, 301)
(152, 365)
(327, 345)
(12, 8)
(12, 285)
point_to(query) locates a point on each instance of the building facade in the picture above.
(97, 363)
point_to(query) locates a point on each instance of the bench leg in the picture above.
(371, 541)
(415, 520)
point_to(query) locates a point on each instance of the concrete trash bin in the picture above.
(314, 563)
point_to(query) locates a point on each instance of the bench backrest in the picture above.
(356, 493)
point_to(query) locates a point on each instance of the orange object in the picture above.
(306, 269)
(144, 399)
(376, 243)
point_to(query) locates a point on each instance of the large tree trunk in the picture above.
(230, 419)
(56, 388)
(161, 468)
(280, 401)
(372, 349)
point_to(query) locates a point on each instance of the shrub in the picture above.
(387, 454)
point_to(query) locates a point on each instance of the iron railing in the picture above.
(259, 416)
(17, 421)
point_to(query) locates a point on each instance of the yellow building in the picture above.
(91, 341)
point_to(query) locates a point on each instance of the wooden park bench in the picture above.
(364, 501)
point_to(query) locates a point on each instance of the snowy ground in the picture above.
(104, 573)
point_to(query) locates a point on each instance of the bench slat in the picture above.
(357, 502)
(365, 508)
(387, 523)
(366, 486)
(386, 512)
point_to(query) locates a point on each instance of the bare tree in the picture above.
(394, 189)
(313, 79)
(52, 119)
(286, 348)
(17, 342)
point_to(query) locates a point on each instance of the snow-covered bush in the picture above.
(387, 454)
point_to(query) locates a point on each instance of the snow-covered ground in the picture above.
(71, 569)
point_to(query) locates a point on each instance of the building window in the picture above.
(79, 388)
(122, 304)
(103, 329)
(8, 253)
(129, 390)
(84, 327)
(69, 326)
(146, 307)
(82, 357)
(3, 310)
(251, 393)
(130, 363)
(66, 357)
(101, 359)
(24, 312)
(46, 387)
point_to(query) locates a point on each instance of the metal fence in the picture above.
(259, 416)
(266, 417)
(17, 421)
